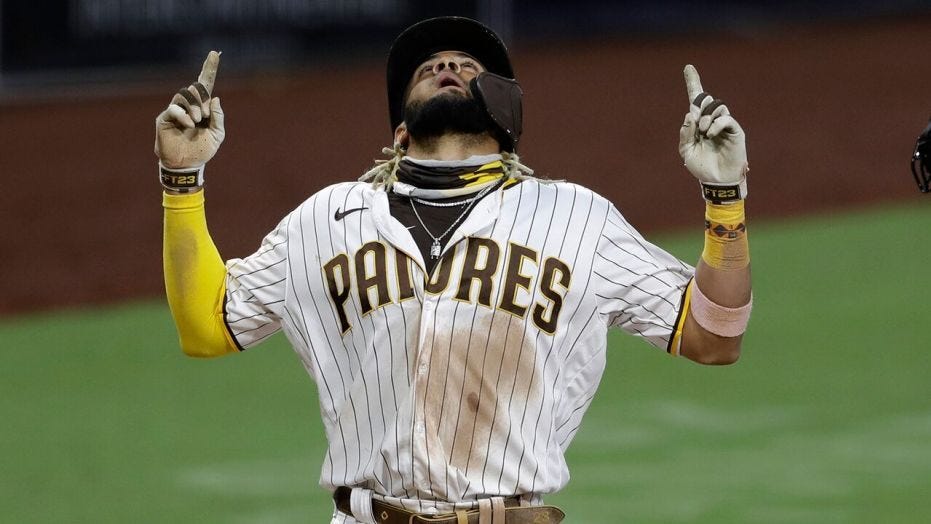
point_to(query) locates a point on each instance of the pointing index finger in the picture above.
(208, 73)
(692, 82)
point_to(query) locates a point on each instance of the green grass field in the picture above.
(826, 418)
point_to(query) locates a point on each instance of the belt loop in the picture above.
(462, 517)
(484, 511)
(497, 510)
(491, 510)
(360, 500)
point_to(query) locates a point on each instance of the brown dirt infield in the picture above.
(831, 115)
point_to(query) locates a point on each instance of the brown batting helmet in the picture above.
(446, 33)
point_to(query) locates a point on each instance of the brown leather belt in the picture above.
(513, 513)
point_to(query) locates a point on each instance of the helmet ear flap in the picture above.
(501, 97)
(921, 160)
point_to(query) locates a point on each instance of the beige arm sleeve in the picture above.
(195, 278)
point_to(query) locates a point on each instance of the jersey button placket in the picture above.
(424, 352)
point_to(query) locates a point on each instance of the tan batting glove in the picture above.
(189, 132)
(713, 145)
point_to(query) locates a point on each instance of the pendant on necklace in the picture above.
(435, 249)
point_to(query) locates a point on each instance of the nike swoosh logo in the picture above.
(339, 215)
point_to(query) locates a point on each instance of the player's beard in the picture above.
(446, 113)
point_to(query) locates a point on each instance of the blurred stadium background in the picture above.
(827, 417)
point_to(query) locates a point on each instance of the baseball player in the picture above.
(452, 308)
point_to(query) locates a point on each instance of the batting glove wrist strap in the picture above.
(718, 193)
(182, 180)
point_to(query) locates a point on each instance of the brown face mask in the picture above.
(501, 97)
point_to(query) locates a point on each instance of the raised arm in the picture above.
(188, 134)
(713, 148)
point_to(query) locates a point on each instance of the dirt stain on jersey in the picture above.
(481, 381)
(472, 402)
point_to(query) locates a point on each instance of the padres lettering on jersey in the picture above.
(475, 277)
(471, 381)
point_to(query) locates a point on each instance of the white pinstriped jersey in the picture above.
(474, 383)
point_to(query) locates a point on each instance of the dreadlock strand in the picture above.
(518, 171)
(384, 173)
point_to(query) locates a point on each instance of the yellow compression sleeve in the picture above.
(195, 278)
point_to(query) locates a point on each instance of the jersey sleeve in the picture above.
(642, 287)
(255, 289)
